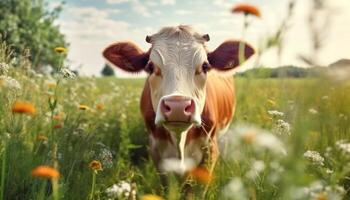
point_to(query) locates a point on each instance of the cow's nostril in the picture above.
(166, 108)
(190, 108)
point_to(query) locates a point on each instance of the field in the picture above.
(289, 140)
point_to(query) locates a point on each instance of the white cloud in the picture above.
(168, 2)
(117, 1)
(183, 12)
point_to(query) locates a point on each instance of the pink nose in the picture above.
(177, 108)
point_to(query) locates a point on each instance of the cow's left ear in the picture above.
(226, 56)
(126, 56)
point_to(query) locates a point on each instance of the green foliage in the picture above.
(27, 24)
(107, 71)
(284, 72)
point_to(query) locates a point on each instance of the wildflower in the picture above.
(45, 172)
(275, 113)
(23, 108)
(106, 158)
(248, 136)
(314, 157)
(313, 111)
(41, 138)
(51, 85)
(257, 167)
(61, 50)
(282, 127)
(9, 83)
(99, 106)
(4, 67)
(56, 117)
(271, 102)
(121, 189)
(201, 174)
(247, 9)
(57, 126)
(66, 73)
(234, 190)
(175, 165)
(83, 107)
(95, 165)
(151, 197)
(343, 146)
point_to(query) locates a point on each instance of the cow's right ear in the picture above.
(126, 56)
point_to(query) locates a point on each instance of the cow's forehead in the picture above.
(181, 45)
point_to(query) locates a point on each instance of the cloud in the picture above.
(136, 6)
(117, 1)
(183, 12)
(168, 2)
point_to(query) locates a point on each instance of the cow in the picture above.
(187, 100)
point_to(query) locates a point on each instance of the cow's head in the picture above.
(178, 65)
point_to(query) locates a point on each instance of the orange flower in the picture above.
(249, 137)
(23, 108)
(95, 165)
(201, 174)
(247, 9)
(45, 172)
(56, 117)
(151, 197)
(41, 138)
(99, 106)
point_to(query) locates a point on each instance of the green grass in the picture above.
(116, 136)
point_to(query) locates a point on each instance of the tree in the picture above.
(28, 24)
(107, 71)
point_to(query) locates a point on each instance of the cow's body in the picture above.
(216, 117)
(187, 101)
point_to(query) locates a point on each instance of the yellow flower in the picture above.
(51, 85)
(23, 108)
(201, 174)
(151, 197)
(41, 138)
(45, 172)
(95, 165)
(271, 102)
(83, 107)
(61, 50)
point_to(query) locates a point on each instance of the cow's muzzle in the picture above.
(177, 109)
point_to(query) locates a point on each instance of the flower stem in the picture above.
(93, 185)
(3, 170)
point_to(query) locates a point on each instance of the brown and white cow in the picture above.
(186, 101)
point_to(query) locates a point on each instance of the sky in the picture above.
(91, 25)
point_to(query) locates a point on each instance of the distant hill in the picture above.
(283, 72)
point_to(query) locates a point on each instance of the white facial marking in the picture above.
(178, 52)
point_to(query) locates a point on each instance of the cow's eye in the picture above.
(205, 67)
(152, 69)
(149, 68)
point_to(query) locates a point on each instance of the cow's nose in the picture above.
(177, 108)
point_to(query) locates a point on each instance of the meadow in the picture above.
(84, 138)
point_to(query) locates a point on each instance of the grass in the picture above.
(111, 131)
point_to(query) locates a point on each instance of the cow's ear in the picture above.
(126, 56)
(226, 56)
